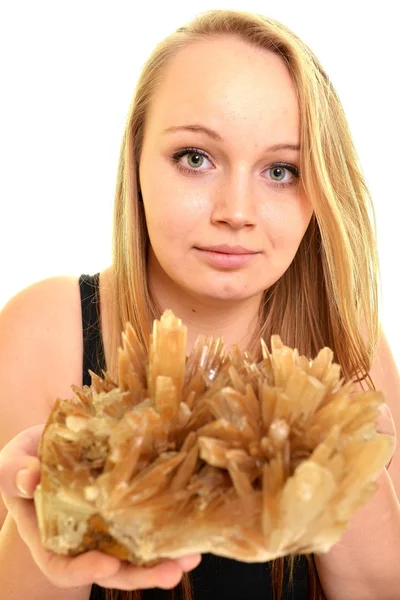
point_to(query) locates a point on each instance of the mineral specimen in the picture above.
(210, 452)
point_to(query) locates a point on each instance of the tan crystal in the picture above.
(207, 453)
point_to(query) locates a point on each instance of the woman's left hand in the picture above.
(385, 424)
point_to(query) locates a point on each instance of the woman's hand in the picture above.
(19, 476)
(385, 424)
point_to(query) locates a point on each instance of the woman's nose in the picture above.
(235, 205)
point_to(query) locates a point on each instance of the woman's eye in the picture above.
(278, 173)
(194, 160)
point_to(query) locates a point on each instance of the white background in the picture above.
(68, 72)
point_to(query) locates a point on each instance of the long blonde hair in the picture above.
(329, 294)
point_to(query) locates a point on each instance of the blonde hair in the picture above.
(329, 294)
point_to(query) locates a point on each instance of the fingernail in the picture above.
(21, 481)
(384, 410)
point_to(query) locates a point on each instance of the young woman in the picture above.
(240, 205)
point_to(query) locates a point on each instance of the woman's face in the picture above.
(227, 187)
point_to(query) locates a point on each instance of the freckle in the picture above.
(193, 310)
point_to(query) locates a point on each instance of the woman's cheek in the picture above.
(165, 228)
(184, 217)
(286, 224)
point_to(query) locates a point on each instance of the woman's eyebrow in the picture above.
(215, 136)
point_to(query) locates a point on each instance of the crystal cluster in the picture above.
(210, 452)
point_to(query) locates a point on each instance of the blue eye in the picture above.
(199, 156)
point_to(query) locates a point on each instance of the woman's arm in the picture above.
(364, 565)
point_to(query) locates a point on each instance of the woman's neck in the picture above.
(234, 321)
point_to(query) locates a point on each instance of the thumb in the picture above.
(384, 422)
(19, 465)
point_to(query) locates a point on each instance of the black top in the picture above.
(215, 577)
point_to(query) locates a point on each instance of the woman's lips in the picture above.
(223, 259)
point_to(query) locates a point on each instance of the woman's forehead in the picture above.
(224, 88)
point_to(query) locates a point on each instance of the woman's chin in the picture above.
(228, 296)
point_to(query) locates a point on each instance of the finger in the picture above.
(25, 443)
(166, 575)
(19, 476)
(81, 570)
(20, 454)
(189, 561)
(384, 422)
(27, 479)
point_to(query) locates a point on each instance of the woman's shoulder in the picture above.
(42, 326)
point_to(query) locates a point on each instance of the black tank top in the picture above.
(215, 577)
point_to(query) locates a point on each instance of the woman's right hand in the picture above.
(19, 476)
